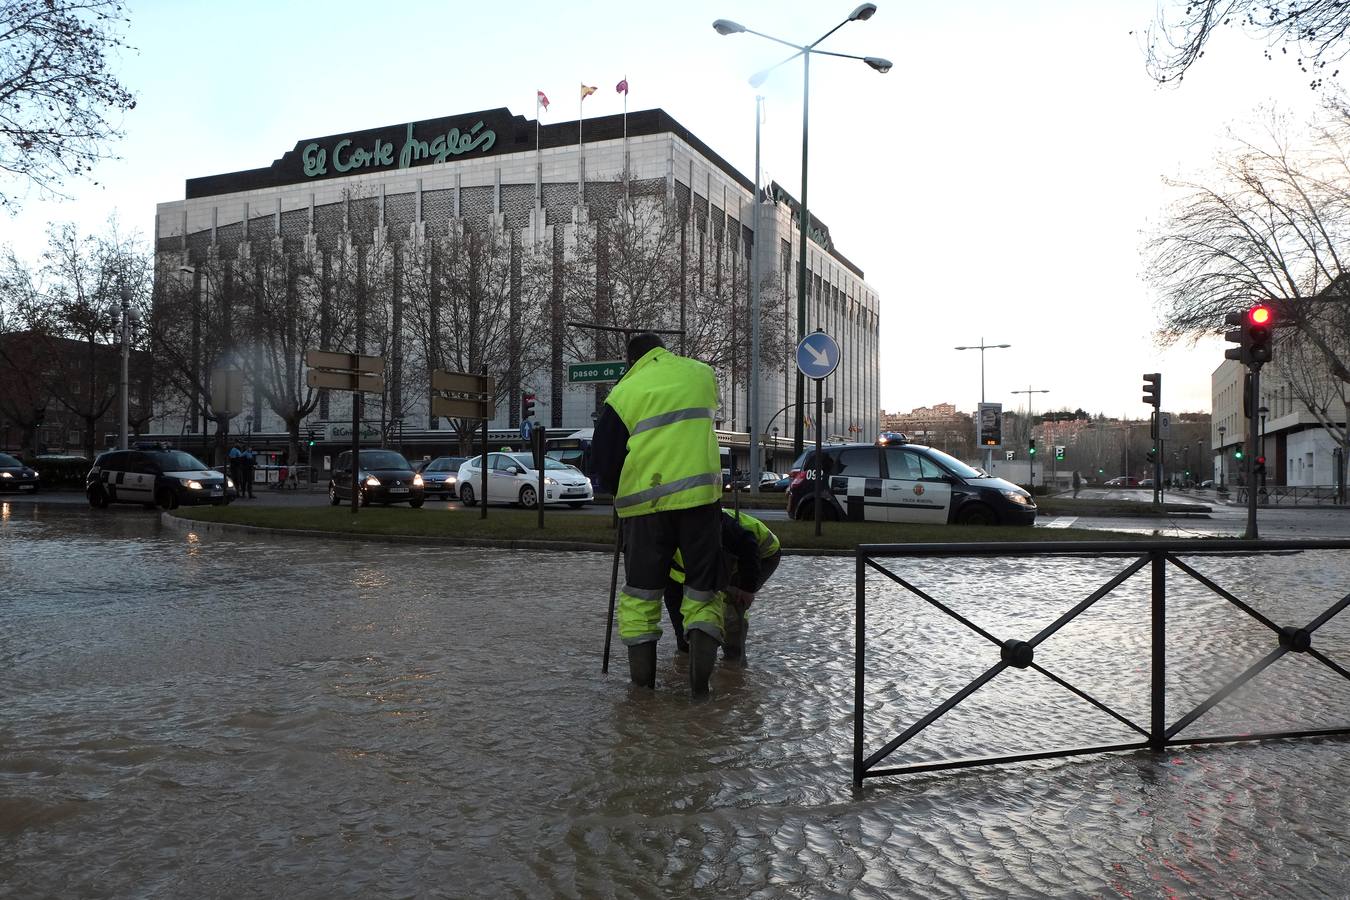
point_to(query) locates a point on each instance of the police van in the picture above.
(894, 480)
(155, 476)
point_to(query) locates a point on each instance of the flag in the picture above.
(586, 91)
(622, 86)
(543, 99)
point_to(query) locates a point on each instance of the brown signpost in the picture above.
(347, 372)
(472, 399)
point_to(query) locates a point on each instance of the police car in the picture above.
(155, 476)
(893, 480)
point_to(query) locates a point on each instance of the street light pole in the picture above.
(126, 365)
(1031, 474)
(726, 27)
(754, 313)
(1223, 463)
(982, 346)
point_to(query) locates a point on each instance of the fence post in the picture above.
(860, 631)
(1157, 732)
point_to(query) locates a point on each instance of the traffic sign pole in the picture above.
(817, 358)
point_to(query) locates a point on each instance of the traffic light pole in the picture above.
(1252, 453)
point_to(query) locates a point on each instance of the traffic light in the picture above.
(1153, 389)
(1260, 465)
(1260, 322)
(1252, 334)
(1031, 447)
(1153, 454)
(1237, 454)
(526, 406)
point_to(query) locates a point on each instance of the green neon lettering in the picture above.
(384, 153)
(337, 160)
(314, 158)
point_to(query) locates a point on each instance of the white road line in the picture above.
(1061, 522)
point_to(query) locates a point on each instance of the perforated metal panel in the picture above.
(517, 201)
(475, 205)
(399, 212)
(328, 225)
(437, 208)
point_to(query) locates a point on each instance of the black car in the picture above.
(896, 481)
(383, 476)
(441, 476)
(154, 477)
(15, 476)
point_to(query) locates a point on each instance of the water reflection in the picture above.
(225, 717)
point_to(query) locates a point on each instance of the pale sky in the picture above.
(997, 183)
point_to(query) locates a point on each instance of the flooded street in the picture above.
(198, 716)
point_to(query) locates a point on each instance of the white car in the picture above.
(512, 478)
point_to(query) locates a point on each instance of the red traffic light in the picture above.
(1260, 460)
(1259, 315)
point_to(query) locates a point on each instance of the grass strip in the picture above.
(587, 528)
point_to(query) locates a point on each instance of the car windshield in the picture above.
(549, 462)
(8, 462)
(953, 465)
(382, 459)
(176, 461)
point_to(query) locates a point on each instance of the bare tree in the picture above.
(1270, 226)
(56, 91)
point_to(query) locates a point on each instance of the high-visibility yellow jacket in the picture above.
(667, 403)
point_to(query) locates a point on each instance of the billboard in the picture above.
(989, 425)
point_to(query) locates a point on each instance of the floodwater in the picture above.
(195, 716)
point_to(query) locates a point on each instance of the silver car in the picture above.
(512, 478)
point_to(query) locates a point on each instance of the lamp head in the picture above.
(881, 65)
(863, 13)
(726, 26)
(759, 78)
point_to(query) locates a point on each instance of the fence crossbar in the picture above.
(1328, 662)
(1218, 589)
(1222, 693)
(923, 596)
(1330, 614)
(971, 762)
(1088, 697)
(980, 681)
(1090, 599)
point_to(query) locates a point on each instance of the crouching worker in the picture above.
(751, 553)
(655, 449)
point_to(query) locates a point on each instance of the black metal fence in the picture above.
(1159, 733)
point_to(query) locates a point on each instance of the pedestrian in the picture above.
(250, 460)
(655, 450)
(235, 460)
(1077, 483)
(751, 553)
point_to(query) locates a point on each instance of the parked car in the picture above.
(1206, 485)
(15, 476)
(896, 481)
(1123, 481)
(155, 477)
(778, 487)
(768, 478)
(382, 476)
(512, 478)
(1147, 482)
(440, 476)
(737, 482)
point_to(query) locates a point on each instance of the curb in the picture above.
(183, 526)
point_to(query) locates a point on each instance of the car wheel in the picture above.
(977, 514)
(529, 497)
(466, 496)
(577, 505)
(98, 499)
(166, 499)
(333, 497)
(416, 504)
(807, 513)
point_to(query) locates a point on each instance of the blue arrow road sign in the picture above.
(525, 427)
(817, 355)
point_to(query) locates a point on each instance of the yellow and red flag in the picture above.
(542, 99)
(586, 91)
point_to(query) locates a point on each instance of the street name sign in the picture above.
(461, 382)
(600, 372)
(456, 408)
(346, 362)
(345, 381)
(471, 395)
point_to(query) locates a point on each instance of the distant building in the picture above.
(941, 426)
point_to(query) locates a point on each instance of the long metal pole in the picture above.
(801, 272)
(126, 364)
(820, 461)
(1251, 455)
(757, 458)
(988, 451)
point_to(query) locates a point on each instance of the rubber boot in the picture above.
(642, 664)
(702, 659)
(735, 645)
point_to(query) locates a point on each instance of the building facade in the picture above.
(489, 242)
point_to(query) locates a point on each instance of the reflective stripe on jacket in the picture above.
(667, 403)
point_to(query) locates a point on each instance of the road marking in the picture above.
(1061, 522)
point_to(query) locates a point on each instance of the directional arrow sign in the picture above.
(817, 355)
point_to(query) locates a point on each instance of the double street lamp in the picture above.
(725, 27)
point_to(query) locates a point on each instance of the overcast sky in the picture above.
(998, 183)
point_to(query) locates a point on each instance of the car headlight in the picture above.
(229, 482)
(5, 475)
(417, 481)
(372, 481)
(1017, 497)
(191, 484)
(549, 481)
(451, 479)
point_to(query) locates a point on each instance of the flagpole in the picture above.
(625, 137)
(538, 160)
(581, 155)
